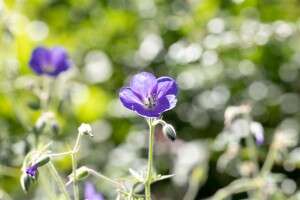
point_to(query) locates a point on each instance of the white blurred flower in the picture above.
(85, 129)
(258, 131)
(232, 111)
(241, 128)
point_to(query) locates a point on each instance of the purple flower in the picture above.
(258, 132)
(32, 170)
(148, 96)
(90, 192)
(49, 61)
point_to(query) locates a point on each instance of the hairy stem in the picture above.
(150, 160)
(74, 166)
(58, 180)
(101, 176)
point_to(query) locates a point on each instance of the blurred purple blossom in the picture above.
(49, 61)
(258, 132)
(148, 96)
(90, 192)
(32, 170)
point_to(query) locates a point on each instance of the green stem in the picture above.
(101, 176)
(150, 160)
(74, 166)
(132, 191)
(251, 145)
(236, 186)
(268, 164)
(61, 154)
(58, 179)
(192, 189)
(253, 154)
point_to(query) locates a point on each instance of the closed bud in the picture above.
(169, 132)
(44, 159)
(54, 127)
(26, 181)
(81, 173)
(40, 125)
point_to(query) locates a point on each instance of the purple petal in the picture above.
(165, 103)
(90, 192)
(32, 170)
(60, 60)
(258, 132)
(166, 86)
(143, 83)
(132, 101)
(40, 57)
(129, 98)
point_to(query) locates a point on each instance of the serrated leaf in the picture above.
(134, 173)
(137, 175)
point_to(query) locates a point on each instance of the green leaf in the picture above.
(159, 177)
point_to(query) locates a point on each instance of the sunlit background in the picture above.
(221, 53)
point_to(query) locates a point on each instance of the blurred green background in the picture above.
(221, 53)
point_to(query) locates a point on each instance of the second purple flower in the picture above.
(148, 96)
(49, 61)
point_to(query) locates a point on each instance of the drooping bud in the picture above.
(44, 159)
(54, 126)
(81, 173)
(25, 181)
(169, 132)
(85, 129)
(40, 125)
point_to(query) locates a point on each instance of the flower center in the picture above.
(48, 68)
(150, 101)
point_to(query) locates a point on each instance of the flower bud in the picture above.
(81, 173)
(25, 182)
(40, 125)
(85, 129)
(44, 159)
(169, 132)
(54, 127)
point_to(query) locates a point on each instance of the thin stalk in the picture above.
(150, 160)
(101, 176)
(253, 157)
(47, 184)
(251, 145)
(253, 154)
(268, 164)
(132, 191)
(74, 166)
(192, 189)
(61, 154)
(58, 180)
(237, 186)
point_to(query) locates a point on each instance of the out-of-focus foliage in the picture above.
(220, 52)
